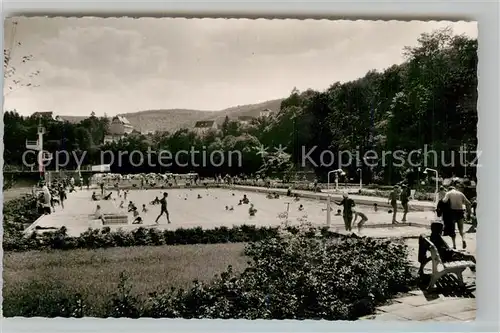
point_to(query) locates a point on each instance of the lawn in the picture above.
(95, 273)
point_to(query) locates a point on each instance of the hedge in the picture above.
(303, 274)
(105, 238)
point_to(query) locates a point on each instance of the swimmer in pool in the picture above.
(137, 218)
(245, 199)
(362, 217)
(252, 210)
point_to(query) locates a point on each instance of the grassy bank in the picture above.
(35, 277)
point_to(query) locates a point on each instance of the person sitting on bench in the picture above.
(446, 253)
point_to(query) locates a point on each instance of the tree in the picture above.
(225, 126)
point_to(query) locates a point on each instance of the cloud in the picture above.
(105, 49)
(126, 65)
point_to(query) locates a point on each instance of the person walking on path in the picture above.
(457, 202)
(393, 200)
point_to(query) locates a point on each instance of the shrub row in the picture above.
(105, 238)
(294, 275)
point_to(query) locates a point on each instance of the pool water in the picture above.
(187, 211)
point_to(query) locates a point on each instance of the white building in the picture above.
(118, 129)
(266, 113)
(120, 126)
(203, 127)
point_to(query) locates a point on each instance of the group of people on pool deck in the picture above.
(350, 214)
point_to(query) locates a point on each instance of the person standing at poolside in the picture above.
(404, 197)
(457, 201)
(164, 210)
(347, 213)
(393, 200)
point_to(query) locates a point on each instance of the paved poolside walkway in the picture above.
(359, 199)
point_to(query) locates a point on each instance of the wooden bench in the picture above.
(440, 269)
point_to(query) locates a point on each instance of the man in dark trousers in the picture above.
(164, 210)
(347, 212)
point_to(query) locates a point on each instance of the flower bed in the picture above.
(304, 274)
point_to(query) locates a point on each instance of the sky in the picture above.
(122, 65)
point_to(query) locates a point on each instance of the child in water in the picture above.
(252, 210)
(245, 199)
(137, 218)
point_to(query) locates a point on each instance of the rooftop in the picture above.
(204, 124)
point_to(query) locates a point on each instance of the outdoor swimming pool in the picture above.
(187, 211)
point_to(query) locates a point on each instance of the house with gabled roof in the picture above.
(265, 113)
(120, 125)
(204, 126)
(118, 129)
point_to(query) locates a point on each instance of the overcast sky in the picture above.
(126, 65)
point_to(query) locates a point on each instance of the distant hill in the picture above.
(174, 119)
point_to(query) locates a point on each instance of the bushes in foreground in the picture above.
(299, 275)
(105, 238)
